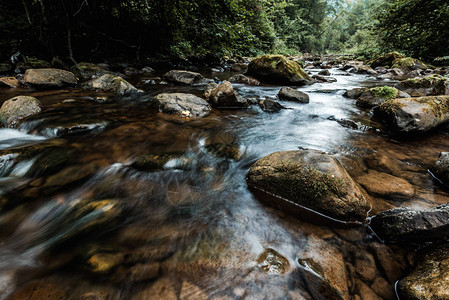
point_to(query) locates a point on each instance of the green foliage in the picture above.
(418, 28)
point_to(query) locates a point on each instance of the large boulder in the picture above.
(18, 108)
(50, 78)
(183, 77)
(111, 83)
(310, 179)
(408, 64)
(441, 168)
(386, 60)
(378, 95)
(225, 96)
(289, 94)
(412, 226)
(277, 69)
(430, 278)
(414, 115)
(426, 86)
(183, 105)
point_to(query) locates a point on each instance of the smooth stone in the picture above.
(182, 105)
(240, 78)
(386, 186)
(111, 83)
(224, 96)
(18, 108)
(10, 82)
(270, 105)
(50, 78)
(289, 94)
(183, 77)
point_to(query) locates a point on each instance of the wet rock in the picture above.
(365, 292)
(414, 115)
(18, 108)
(289, 94)
(324, 73)
(35, 63)
(47, 289)
(130, 71)
(441, 168)
(183, 77)
(224, 96)
(378, 95)
(183, 105)
(277, 69)
(412, 226)
(325, 79)
(426, 86)
(154, 162)
(87, 71)
(104, 262)
(111, 83)
(240, 78)
(190, 291)
(386, 186)
(50, 78)
(270, 261)
(10, 82)
(408, 64)
(312, 179)
(364, 264)
(239, 67)
(148, 70)
(367, 70)
(224, 150)
(386, 60)
(208, 90)
(324, 270)
(162, 289)
(270, 105)
(355, 93)
(382, 163)
(383, 289)
(67, 177)
(429, 279)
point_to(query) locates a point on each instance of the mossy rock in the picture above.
(277, 69)
(434, 85)
(37, 63)
(409, 63)
(414, 115)
(386, 60)
(85, 71)
(18, 108)
(376, 96)
(310, 179)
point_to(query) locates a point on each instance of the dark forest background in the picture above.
(94, 29)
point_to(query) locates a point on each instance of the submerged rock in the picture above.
(430, 278)
(50, 78)
(183, 105)
(311, 179)
(240, 78)
(18, 108)
(270, 261)
(386, 186)
(426, 86)
(324, 270)
(277, 69)
(239, 67)
(111, 83)
(183, 77)
(153, 162)
(270, 105)
(225, 96)
(289, 94)
(412, 226)
(414, 115)
(441, 168)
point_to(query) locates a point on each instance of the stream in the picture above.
(84, 218)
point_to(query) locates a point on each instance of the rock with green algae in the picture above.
(378, 95)
(277, 69)
(386, 60)
(18, 108)
(111, 83)
(408, 64)
(414, 115)
(86, 71)
(311, 179)
(426, 86)
(430, 278)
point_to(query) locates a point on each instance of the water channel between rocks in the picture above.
(89, 223)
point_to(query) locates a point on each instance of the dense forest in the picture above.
(94, 29)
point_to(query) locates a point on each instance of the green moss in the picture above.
(438, 105)
(386, 60)
(408, 62)
(296, 182)
(391, 106)
(437, 82)
(386, 92)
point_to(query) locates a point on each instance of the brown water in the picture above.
(80, 221)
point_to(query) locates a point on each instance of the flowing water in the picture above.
(82, 220)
